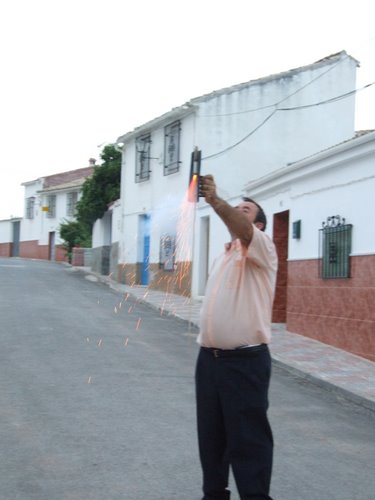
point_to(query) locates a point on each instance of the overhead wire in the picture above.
(276, 109)
(275, 104)
(302, 106)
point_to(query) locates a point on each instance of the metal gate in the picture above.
(16, 239)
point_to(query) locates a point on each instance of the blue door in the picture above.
(145, 248)
(146, 260)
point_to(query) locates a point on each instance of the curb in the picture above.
(328, 386)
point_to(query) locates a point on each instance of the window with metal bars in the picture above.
(335, 242)
(30, 204)
(142, 159)
(51, 203)
(172, 148)
(71, 203)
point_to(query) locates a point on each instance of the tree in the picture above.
(98, 191)
(74, 234)
(101, 188)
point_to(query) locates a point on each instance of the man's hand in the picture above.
(208, 189)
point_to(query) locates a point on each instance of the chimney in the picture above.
(92, 162)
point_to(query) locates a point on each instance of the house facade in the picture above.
(244, 132)
(321, 208)
(288, 141)
(49, 201)
(10, 237)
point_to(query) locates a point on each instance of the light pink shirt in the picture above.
(237, 307)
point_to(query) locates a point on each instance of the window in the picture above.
(51, 203)
(71, 202)
(172, 148)
(335, 247)
(142, 159)
(167, 252)
(30, 204)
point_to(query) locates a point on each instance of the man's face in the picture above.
(249, 209)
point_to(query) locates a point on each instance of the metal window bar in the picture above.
(72, 202)
(172, 148)
(30, 202)
(51, 214)
(143, 145)
(334, 251)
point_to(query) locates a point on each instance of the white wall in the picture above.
(6, 231)
(39, 227)
(346, 190)
(219, 124)
(116, 221)
(162, 196)
(288, 136)
(31, 228)
(340, 181)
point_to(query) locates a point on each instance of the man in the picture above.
(234, 364)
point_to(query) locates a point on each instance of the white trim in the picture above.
(313, 165)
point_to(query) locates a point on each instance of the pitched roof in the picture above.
(72, 176)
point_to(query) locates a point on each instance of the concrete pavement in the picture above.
(346, 374)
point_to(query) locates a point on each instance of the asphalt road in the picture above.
(97, 403)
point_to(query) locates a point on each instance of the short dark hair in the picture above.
(261, 216)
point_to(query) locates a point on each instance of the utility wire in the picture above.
(276, 109)
(243, 139)
(332, 99)
(302, 106)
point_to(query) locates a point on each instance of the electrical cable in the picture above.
(243, 139)
(327, 101)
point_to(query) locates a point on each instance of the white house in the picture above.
(245, 132)
(322, 210)
(49, 201)
(288, 141)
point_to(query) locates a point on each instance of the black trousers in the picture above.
(233, 428)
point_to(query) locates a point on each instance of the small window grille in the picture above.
(335, 241)
(51, 203)
(172, 148)
(30, 204)
(142, 160)
(167, 252)
(71, 204)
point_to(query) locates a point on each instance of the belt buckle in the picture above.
(216, 353)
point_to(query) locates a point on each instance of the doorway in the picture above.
(16, 239)
(144, 248)
(51, 246)
(281, 238)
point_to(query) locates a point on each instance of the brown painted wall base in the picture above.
(31, 250)
(339, 312)
(177, 281)
(5, 249)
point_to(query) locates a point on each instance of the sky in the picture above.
(77, 74)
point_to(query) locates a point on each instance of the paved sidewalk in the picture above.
(349, 375)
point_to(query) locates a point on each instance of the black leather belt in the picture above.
(239, 352)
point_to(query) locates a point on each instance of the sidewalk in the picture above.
(348, 375)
